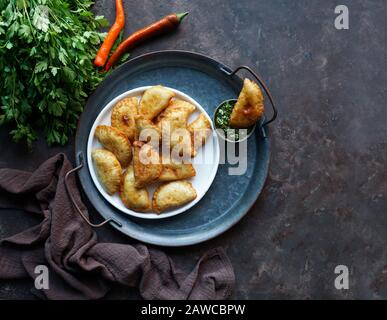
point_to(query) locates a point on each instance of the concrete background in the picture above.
(324, 202)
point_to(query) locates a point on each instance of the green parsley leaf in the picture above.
(47, 49)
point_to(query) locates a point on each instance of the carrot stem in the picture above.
(180, 16)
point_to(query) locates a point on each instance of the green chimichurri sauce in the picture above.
(222, 121)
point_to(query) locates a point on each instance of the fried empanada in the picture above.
(146, 129)
(123, 114)
(154, 100)
(108, 169)
(177, 113)
(133, 198)
(199, 129)
(176, 170)
(249, 108)
(115, 141)
(172, 194)
(146, 163)
(173, 124)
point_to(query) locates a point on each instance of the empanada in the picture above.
(249, 107)
(172, 194)
(133, 198)
(146, 163)
(176, 170)
(199, 129)
(177, 113)
(108, 169)
(115, 141)
(173, 124)
(122, 117)
(146, 129)
(154, 100)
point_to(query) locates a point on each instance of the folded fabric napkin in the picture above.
(79, 266)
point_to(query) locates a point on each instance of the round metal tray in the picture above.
(229, 197)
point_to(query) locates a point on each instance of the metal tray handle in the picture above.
(265, 88)
(77, 208)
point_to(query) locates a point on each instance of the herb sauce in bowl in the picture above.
(222, 122)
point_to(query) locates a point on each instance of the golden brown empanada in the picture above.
(133, 198)
(249, 107)
(199, 129)
(177, 113)
(123, 114)
(172, 194)
(115, 141)
(108, 169)
(154, 100)
(173, 124)
(146, 129)
(176, 170)
(146, 163)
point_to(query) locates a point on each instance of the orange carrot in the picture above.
(168, 23)
(104, 50)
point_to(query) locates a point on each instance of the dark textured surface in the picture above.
(325, 202)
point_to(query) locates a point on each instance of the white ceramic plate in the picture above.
(205, 163)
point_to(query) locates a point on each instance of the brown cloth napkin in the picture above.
(79, 266)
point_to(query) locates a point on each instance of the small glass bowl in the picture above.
(221, 132)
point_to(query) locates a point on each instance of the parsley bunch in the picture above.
(46, 68)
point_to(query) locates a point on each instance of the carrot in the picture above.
(164, 25)
(104, 50)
